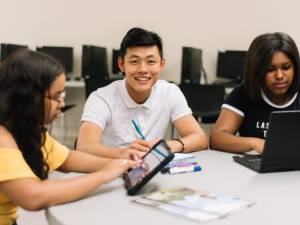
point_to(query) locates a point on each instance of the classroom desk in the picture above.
(75, 84)
(276, 194)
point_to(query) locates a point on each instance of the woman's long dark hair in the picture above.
(259, 57)
(25, 76)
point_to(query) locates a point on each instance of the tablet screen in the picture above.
(151, 161)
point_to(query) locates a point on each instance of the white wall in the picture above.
(210, 25)
(206, 24)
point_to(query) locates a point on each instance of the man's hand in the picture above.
(155, 141)
(140, 145)
(133, 154)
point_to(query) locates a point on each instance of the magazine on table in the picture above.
(177, 210)
(194, 204)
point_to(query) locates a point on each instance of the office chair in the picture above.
(75, 143)
(62, 119)
(205, 101)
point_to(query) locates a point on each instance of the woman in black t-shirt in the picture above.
(271, 83)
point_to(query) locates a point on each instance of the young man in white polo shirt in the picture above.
(107, 129)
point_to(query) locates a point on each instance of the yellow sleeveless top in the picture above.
(13, 166)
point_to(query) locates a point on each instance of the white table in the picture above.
(75, 83)
(276, 194)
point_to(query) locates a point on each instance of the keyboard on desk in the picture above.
(256, 161)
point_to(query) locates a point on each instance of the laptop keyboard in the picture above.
(256, 161)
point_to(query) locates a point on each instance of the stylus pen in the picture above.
(138, 130)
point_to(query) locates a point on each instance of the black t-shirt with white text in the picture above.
(256, 116)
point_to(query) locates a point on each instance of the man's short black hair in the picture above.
(140, 37)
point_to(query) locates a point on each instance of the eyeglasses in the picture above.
(61, 97)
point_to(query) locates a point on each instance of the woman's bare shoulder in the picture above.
(6, 139)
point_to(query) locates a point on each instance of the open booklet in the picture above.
(193, 204)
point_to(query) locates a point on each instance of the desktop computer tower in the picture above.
(191, 65)
(94, 62)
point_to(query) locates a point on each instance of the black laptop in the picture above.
(282, 145)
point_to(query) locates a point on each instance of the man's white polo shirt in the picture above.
(113, 110)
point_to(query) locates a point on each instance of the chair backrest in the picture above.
(67, 107)
(75, 143)
(92, 84)
(204, 100)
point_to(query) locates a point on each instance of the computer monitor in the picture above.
(231, 64)
(94, 62)
(191, 65)
(62, 54)
(115, 64)
(7, 49)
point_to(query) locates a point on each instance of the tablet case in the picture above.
(139, 185)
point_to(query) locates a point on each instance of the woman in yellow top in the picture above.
(31, 95)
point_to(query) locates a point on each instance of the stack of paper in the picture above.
(178, 164)
(193, 204)
(180, 157)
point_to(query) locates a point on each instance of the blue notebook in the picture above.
(179, 157)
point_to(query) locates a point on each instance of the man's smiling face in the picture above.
(142, 65)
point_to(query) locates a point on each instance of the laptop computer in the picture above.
(282, 145)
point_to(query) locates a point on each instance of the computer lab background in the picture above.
(208, 25)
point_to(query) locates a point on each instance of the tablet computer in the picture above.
(156, 159)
